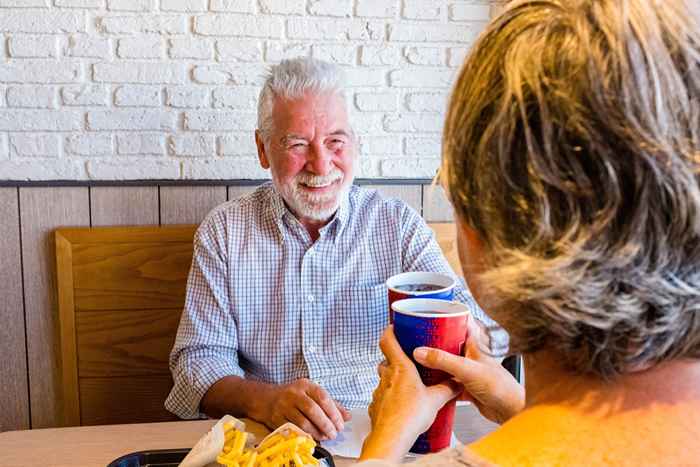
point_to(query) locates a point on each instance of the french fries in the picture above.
(279, 450)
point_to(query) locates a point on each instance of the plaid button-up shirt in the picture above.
(266, 303)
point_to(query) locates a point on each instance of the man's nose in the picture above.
(319, 161)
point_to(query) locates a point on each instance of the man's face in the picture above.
(311, 153)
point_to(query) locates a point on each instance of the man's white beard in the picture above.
(318, 207)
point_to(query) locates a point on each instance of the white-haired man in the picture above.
(285, 302)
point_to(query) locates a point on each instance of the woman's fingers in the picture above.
(441, 394)
(459, 367)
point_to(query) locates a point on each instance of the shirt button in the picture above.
(310, 297)
(311, 349)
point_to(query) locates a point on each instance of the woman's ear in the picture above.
(471, 255)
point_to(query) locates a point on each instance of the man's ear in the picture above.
(262, 155)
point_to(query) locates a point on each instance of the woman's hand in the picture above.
(488, 385)
(402, 406)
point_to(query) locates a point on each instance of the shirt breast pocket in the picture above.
(361, 317)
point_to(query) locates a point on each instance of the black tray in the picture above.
(172, 457)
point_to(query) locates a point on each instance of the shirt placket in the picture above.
(310, 318)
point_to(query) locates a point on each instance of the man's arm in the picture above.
(301, 402)
(206, 346)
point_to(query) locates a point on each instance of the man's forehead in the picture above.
(323, 103)
(295, 116)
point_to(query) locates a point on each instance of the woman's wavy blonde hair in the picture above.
(572, 146)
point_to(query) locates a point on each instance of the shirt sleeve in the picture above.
(206, 345)
(422, 253)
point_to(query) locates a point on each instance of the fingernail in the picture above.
(420, 353)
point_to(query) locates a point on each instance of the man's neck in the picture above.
(313, 226)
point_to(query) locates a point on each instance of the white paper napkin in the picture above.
(348, 443)
(210, 445)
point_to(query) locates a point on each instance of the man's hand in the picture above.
(488, 385)
(308, 406)
(402, 406)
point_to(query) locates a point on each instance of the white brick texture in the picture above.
(140, 47)
(187, 47)
(330, 8)
(23, 46)
(377, 8)
(137, 96)
(36, 145)
(31, 97)
(192, 146)
(283, 7)
(168, 89)
(90, 145)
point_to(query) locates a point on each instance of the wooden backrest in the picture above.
(121, 292)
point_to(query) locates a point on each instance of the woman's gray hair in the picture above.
(572, 146)
(291, 79)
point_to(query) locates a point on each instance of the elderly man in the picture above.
(285, 299)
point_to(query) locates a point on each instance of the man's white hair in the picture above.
(291, 79)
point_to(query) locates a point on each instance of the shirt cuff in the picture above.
(190, 386)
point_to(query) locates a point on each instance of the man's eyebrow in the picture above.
(289, 137)
(340, 133)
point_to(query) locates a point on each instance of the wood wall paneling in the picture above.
(137, 205)
(14, 394)
(410, 194)
(188, 204)
(436, 207)
(131, 399)
(42, 211)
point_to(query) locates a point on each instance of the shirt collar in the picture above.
(277, 210)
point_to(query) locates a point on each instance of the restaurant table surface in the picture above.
(97, 446)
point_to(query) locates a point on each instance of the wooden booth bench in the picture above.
(121, 291)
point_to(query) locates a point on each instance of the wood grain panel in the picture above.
(14, 396)
(66, 318)
(446, 235)
(235, 192)
(137, 205)
(188, 204)
(131, 234)
(410, 194)
(124, 400)
(43, 210)
(125, 342)
(130, 275)
(436, 207)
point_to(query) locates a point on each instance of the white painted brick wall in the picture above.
(31, 97)
(137, 96)
(167, 89)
